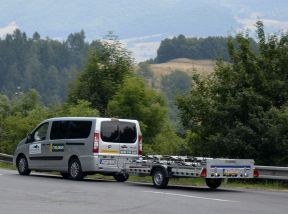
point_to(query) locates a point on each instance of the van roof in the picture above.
(88, 118)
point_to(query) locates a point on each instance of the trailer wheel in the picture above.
(121, 177)
(159, 178)
(213, 183)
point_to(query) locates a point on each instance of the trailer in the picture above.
(162, 168)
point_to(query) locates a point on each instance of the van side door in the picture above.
(36, 146)
(55, 150)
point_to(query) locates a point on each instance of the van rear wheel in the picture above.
(22, 166)
(121, 176)
(75, 170)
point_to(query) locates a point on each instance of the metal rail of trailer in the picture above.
(161, 168)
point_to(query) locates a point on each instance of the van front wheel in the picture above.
(22, 166)
(75, 170)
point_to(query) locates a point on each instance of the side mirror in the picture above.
(29, 138)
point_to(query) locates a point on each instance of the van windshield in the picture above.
(118, 132)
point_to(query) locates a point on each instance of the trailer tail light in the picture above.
(203, 173)
(96, 142)
(140, 138)
(255, 173)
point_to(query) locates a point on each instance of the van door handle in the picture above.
(124, 147)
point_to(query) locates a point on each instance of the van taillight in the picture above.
(140, 144)
(96, 142)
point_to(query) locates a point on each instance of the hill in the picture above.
(189, 66)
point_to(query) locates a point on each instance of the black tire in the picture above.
(75, 170)
(160, 180)
(121, 176)
(22, 166)
(65, 174)
(213, 183)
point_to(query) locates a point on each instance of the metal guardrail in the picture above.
(265, 172)
(6, 158)
(273, 172)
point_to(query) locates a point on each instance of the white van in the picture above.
(78, 146)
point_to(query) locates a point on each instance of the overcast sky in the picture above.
(141, 24)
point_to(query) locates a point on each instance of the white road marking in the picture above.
(1, 174)
(190, 196)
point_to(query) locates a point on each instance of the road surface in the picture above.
(41, 193)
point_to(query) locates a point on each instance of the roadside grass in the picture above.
(263, 184)
(6, 166)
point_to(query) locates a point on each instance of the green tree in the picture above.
(102, 76)
(239, 111)
(80, 109)
(173, 85)
(135, 100)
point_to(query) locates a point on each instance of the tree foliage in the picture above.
(175, 84)
(195, 48)
(23, 112)
(43, 64)
(135, 100)
(240, 111)
(102, 76)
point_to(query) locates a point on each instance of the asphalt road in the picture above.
(40, 193)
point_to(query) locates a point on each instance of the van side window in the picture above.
(59, 130)
(109, 131)
(70, 129)
(127, 132)
(79, 129)
(41, 132)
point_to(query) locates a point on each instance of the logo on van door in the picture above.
(35, 148)
(57, 147)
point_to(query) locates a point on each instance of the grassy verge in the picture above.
(258, 184)
(231, 183)
(6, 166)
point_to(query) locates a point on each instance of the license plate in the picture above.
(108, 162)
(231, 172)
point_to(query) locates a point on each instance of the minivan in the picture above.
(79, 146)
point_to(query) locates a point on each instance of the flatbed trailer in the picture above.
(162, 168)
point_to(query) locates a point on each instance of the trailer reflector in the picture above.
(203, 173)
(255, 173)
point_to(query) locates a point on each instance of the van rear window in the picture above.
(118, 132)
(127, 132)
(70, 129)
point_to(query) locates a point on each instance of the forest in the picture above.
(43, 64)
(239, 111)
(212, 47)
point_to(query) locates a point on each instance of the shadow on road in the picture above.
(185, 188)
(138, 184)
(59, 177)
